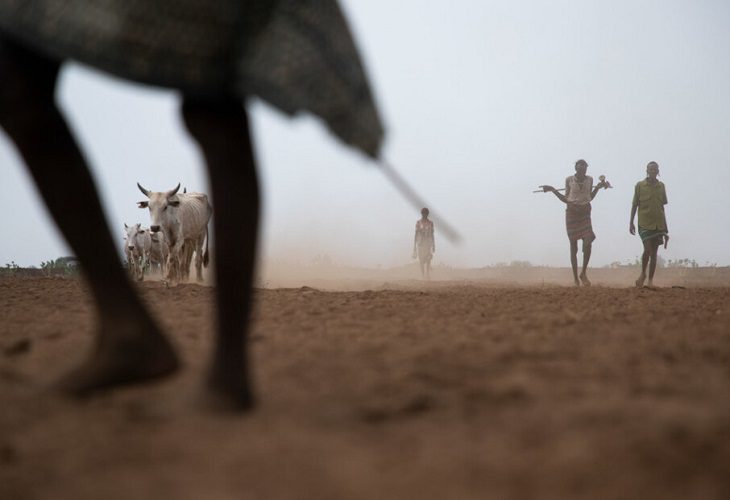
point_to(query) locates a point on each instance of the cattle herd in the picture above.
(178, 232)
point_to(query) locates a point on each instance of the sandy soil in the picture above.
(413, 390)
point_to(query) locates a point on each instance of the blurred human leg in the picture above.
(129, 346)
(220, 126)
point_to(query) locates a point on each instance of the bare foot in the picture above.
(126, 356)
(228, 390)
(576, 282)
(585, 280)
(640, 281)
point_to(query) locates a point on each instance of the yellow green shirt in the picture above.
(651, 200)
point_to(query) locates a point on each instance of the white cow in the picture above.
(183, 218)
(137, 248)
(159, 252)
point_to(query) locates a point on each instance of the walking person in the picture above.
(579, 192)
(650, 196)
(424, 244)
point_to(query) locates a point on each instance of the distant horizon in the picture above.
(314, 263)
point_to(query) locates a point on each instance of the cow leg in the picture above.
(130, 263)
(188, 259)
(174, 268)
(199, 260)
(140, 268)
(163, 264)
(221, 129)
(185, 262)
(143, 266)
(187, 252)
(136, 267)
(129, 346)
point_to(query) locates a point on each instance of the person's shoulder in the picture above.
(642, 182)
(589, 177)
(569, 178)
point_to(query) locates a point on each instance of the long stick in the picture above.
(414, 199)
(602, 178)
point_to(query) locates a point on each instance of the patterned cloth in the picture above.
(298, 55)
(578, 222)
(647, 234)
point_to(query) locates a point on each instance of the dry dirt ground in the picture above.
(412, 390)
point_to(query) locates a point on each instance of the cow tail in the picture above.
(206, 257)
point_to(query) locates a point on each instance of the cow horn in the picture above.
(174, 191)
(145, 192)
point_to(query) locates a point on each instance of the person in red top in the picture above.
(424, 244)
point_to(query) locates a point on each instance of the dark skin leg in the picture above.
(425, 266)
(644, 263)
(649, 258)
(587, 247)
(654, 248)
(221, 129)
(129, 346)
(574, 260)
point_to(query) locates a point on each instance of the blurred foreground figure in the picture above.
(297, 55)
(650, 196)
(579, 192)
(424, 244)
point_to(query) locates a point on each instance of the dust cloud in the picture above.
(325, 273)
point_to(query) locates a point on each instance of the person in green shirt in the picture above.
(650, 196)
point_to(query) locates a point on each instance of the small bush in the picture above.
(65, 266)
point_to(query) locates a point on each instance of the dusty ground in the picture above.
(427, 391)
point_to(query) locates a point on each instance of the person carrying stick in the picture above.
(579, 192)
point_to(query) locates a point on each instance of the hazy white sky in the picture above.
(482, 101)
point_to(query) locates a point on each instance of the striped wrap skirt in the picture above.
(648, 234)
(578, 222)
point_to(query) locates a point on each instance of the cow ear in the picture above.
(143, 204)
(174, 201)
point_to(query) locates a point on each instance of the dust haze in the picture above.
(325, 273)
(496, 378)
(482, 103)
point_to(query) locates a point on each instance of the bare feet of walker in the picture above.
(132, 354)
